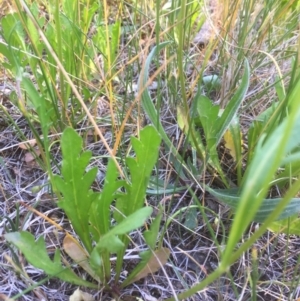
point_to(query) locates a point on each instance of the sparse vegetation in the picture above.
(150, 150)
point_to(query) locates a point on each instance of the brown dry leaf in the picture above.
(5, 298)
(157, 260)
(78, 295)
(27, 144)
(78, 254)
(29, 157)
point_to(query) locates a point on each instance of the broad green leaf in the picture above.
(261, 170)
(146, 149)
(131, 222)
(100, 213)
(13, 32)
(191, 219)
(42, 107)
(110, 240)
(111, 243)
(208, 114)
(267, 114)
(232, 198)
(114, 44)
(151, 235)
(212, 82)
(290, 159)
(100, 216)
(36, 254)
(289, 226)
(74, 184)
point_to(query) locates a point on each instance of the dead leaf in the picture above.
(27, 144)
(157, 260)
(29, 157)
(79, 295)
(5, 298)
(78, 254)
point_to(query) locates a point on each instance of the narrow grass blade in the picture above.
(233, 105)
(149, 107)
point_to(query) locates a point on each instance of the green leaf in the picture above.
(232, 198)
(151, 235)
(100, 213)
(212, 82)
(111, 242)
(132, 222)
(261, 171)
(74, 184)
(13, 32)
(151, 111)
(290, 226)
(36, 254)
(146, 149)
(234, 104)
(191, 219)
(208, 114)
(45, 112)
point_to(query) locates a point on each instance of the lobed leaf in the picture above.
(100, 213)
(146, 149)
(111, 242)
(36, 254)
(74, 184)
